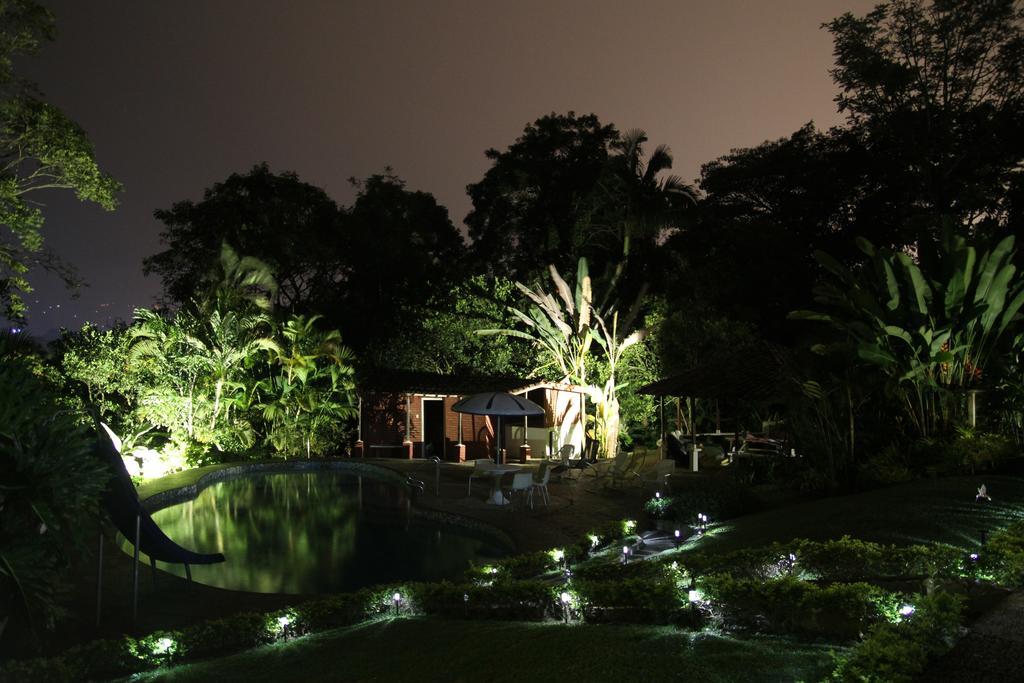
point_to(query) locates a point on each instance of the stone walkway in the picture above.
(992, 651)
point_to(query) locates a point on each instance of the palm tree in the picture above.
(315, 387)
(223, 345)
(239, 282)
(646, 202)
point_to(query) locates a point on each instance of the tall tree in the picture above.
(40, 149)
(747, 250)
(537, 201)
(642, 205)
(288, 224)
(400, 248)
(933, 92)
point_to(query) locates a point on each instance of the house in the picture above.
(409, 414)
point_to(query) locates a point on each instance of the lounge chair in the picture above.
(122, 504)
(658, 476)
(625, 466)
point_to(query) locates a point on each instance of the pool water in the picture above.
(316, 533)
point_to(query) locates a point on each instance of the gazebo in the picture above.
(756, 375)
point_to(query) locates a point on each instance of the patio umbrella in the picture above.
(497, 404)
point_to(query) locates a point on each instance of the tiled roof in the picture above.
(409, 381)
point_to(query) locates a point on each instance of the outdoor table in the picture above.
(496, 473)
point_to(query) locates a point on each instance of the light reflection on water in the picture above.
(315, 533)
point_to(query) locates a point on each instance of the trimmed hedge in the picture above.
(788, 605)
(1002, 558)
(846, 559)
(764, 589)
(899, 653)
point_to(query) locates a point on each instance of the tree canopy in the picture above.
(40, 149)
(290, 225)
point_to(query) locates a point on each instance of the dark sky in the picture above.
(178, 95)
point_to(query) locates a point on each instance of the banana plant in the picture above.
(932, 328)
(606, 398)
(565, 325)
(558, 323)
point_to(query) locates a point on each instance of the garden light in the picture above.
(162, 646)
(283, 622)
(974, 557)
(396, 598)
(594, 540)
(694, 595)
(566, 599)
(906, 610)
(657, 494)
(625, 554)
(557, 555)
(678, 536)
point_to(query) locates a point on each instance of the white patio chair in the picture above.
(481, 469)
(523, 483)
(540, 483)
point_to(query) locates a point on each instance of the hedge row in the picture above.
(899, 653)
(846, 559)
(789, 605)
(509, 600)
(761, 588)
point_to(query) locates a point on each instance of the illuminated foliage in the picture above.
(311, 391)
(40, 149)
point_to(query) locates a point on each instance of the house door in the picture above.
(433, 428)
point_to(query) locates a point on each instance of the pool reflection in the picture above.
(315, 533)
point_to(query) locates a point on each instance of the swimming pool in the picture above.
(318, 532)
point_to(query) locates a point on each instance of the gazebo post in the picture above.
(407, 444)
(661, 420)
(694, 458)
(360, 448)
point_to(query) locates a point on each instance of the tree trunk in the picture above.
(611, 426)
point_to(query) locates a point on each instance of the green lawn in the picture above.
(941, 510)
(425, 650)
(926, 511)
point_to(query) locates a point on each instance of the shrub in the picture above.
(51, 486)
(898, 653)
(790, 605)
(719, 498)
(844, 559)
(1003, 556)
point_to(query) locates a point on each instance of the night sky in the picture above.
(178, 95)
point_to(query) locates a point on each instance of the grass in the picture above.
(425, 650)
(930, 511)
(927, 511)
